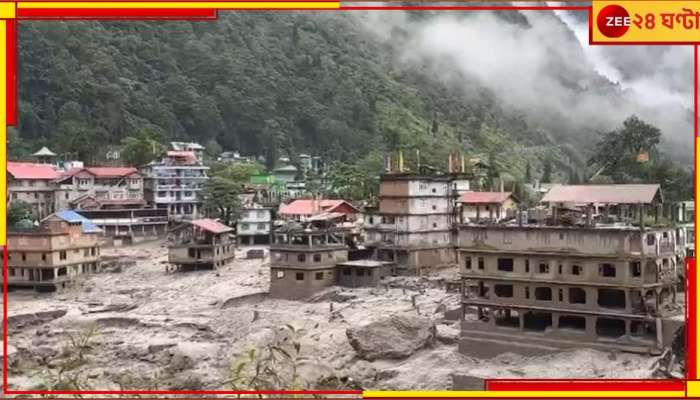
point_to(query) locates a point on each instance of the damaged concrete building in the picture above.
(303, 260)
(53, 255)
(200, 244)
(602, 284)
(414, 224)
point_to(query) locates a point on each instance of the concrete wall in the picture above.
(469, 210)
(361, 276)
(285, 282)
(589, 242)
(318, 257)
(420, 205)
(573, 269)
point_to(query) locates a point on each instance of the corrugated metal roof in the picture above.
(484, 197)
(603, 194)
(72, 216)
(103, 172)
(309, 207)
(211, 225)
(23, 170)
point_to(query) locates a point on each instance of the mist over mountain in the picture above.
(347, 86)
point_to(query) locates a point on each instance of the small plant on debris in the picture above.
(274, 367)
(66, 376)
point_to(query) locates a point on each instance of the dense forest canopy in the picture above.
(267, 84)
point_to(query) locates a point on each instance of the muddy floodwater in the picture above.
(143, 328)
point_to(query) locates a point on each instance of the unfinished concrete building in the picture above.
(540, 288)
(53, 255)
(414, 224)
(359, 273)
(200, 244)
(303, 260)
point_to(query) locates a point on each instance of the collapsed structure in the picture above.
(53, 255)
(200, 244)
(605, 279)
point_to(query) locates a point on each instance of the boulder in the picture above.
(395, 337)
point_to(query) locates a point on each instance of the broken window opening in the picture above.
(608, 327)
(577, 296)
(543, 293)
(571, 322)
(536, 321)
(503, 290)
(606, 270)
(507, 318)
(505, 264)
(636, 268)
(611, 298)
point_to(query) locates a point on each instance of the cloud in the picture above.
(546, 68)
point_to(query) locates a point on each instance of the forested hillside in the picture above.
(266, 84)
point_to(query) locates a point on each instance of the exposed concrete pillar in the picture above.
(478, 210)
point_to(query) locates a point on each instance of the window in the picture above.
(468, 263)
(481, 262)
(606, 270)
(300, 276)
(577, 296)
(503, 290)
(635, 268)
(262, 226)
(575, 269)
(527, 292)
(572, 322)
(244, 227)
(561, 294)
(360, 272)
(651, 239)
(544, 268)
(319, 276)
(62, 255)
(505, 264)
(24, 257)
(543, 293)
(434, 224)
(301, 258)
(536, 321)
(611, 298)
(347, 271)
(317, 258)
(11, 271)
(527, 266)
(608, 327)
(561, 269)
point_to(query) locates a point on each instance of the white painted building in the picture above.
(254, 225)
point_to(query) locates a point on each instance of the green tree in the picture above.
(528, 173)
(221, 199)
(142, 148)
(547, 171)
(616, 153)
(18, 210)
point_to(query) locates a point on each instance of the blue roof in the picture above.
(72, 216)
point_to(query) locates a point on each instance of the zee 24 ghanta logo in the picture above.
(613, 21)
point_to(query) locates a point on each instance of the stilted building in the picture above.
(200, 244)
(539, 288)
(53, 255)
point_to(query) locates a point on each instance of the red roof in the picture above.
(22, 170)
(484, 197)
(211, 225)
(103, 172)
(602, 194)
(310, 207)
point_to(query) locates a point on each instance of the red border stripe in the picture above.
(585, 385)
(117, 13)
(11, 72)
(690, 329)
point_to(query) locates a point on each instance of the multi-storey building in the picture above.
(303, 261)
(201, 244)
(414, 224)
(33, 184)
(51, 256)
(254, 225)
(538, 288)
(175, 183)
(128, 226)
(99, 188)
